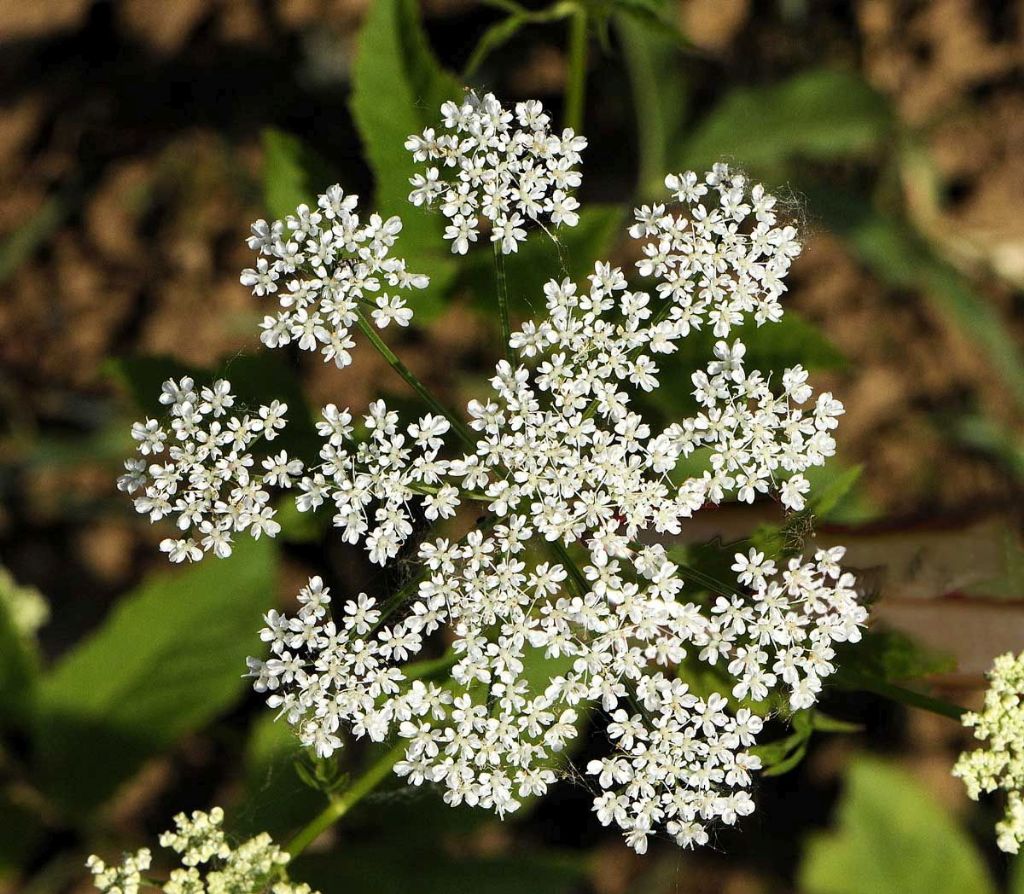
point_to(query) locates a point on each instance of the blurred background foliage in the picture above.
(137, 140)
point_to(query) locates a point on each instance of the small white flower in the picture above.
(999, 762)
(507, 170)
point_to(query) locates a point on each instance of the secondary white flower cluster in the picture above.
(210, 864)
(722, 255)
(999, 764)
(491, 735)
(562, 609)
(388, 470)
(326, 267)
(208, 483)
(509, 169)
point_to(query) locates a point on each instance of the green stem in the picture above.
(343, 803)
(576, 83)
(506, 324)
(407, 374)
(911, 697)
(644, 76)
(579, 579)
(430, 666)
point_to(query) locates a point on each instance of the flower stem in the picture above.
(413, 382)
(910, 697)
(503, 314)
(576, 83)
(578, 578)
(343, 803)
(429, 666)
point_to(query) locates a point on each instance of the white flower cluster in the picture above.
(508, 169)
(721, 256)
(385, 472)
(208, 483)
(490, 736)
(561, 606)
(325, 266)
(1000, 763)
(210, 865)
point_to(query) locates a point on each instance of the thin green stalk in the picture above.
(576, 82)
(429, 666)
(911, 697)
(503, 314)
(341, 804)
(413, 382)
(579, 579)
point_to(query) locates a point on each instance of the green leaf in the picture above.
(819, 114)
(655, 17)
(659, 97)
(888, 655)
(277, 799)
(397, 90)
(22, 611)
(168, 660)
(21, 833)
(293, 174)
(892, 837)
(1017, 876)
(835, 495)
(141, 377)
(789, 763)
(823, 723)
(829, 496)
(498, 34)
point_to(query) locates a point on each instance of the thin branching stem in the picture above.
(413, 382)
(341, 804)
(911, 697)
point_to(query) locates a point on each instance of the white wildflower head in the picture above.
(999, 763)
(326, 268)
(678, 763)
(203, 473)
(719, 254)
(375, 483)
(562, 607)
(209, 863)
(509, 169)
(125, 878)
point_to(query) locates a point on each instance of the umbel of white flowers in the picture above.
(999, 763)
(562, 458)
(210, 864)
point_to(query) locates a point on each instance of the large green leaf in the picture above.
(889, 656)
(168, 660)
(818, 114)
(892, 837)
(659, 96)
(293, 174)
(397, 90)
(275, 799)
